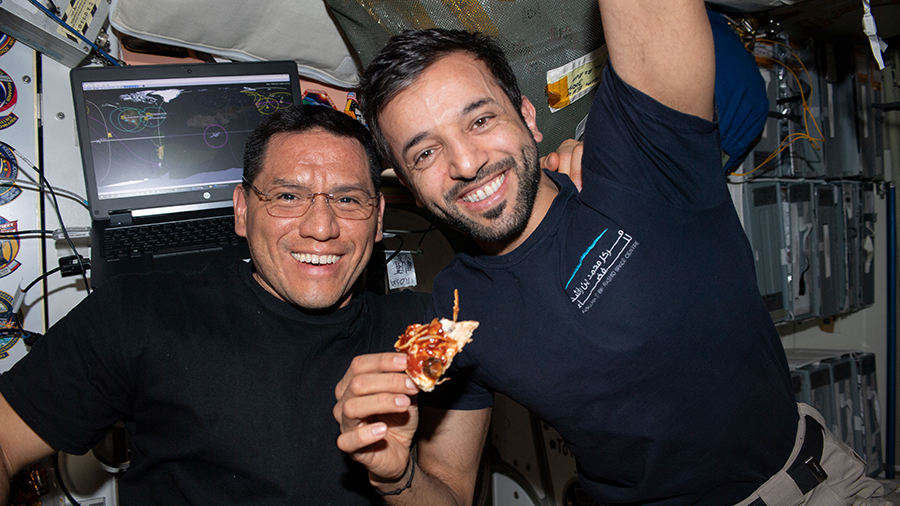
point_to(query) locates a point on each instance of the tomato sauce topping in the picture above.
(427, 347)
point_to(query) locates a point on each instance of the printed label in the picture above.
(598, 265)
(575, 79)
(79, 15)
(401, 270)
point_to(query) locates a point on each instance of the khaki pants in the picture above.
(847, 483)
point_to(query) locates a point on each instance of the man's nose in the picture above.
(467, 157)
(319, 222)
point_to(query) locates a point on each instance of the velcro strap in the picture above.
(806, 471)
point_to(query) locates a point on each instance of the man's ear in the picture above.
(405, 182)
(530, 115)
(239, 197)
(379, 230)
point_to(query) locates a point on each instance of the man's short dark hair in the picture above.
(302, 118)
(410, 53)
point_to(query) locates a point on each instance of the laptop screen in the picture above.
(163, 136)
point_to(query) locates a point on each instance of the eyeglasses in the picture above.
(294, 202)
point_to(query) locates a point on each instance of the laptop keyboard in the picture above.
(170, 238)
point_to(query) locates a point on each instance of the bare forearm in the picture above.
(424, 489)
(4, 483)
(448, 457)
(19, 447)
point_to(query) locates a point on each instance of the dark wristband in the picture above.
(412, 472)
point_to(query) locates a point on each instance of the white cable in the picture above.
(871, 31)
(32, 185)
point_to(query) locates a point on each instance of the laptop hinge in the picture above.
(120, 218)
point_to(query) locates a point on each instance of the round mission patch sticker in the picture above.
(8, 99)
(9, 247)
(6, 318)
(9, 168)
(6, 43)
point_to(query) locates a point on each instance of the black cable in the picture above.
(42, 202)
(39, 278)
(396, 251)
(424, 232)
(62, 484)
(26, 232)
(13, 327)
(431, 228)
(62, 225)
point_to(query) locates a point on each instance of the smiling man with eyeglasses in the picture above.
(225, 377)
(305, 250)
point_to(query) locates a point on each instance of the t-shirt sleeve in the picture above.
(635, 143)
(72, 386)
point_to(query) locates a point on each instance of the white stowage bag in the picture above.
(302, 31)
(753, 5)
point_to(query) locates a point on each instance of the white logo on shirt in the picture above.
(598, 266)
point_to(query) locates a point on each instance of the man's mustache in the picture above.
(483, 175)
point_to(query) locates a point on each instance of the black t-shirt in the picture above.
(225, 390)
(631, 321)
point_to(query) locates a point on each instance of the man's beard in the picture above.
(501, 225)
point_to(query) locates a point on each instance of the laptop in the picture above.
(162, 148)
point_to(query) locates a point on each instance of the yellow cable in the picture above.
(814, 142)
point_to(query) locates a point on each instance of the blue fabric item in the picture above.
(741, 99)
(630, 319)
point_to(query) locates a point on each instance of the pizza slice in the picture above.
(430, 348)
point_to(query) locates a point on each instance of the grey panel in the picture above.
(866, 293)
(801, 280)
(832, 245)
(765, 230)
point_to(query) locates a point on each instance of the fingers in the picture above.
(360, 407)
(363, 436)
(550, 162)
(570, 153)
(386, 459)
(373, 385)
(377, 413)
(370, 364)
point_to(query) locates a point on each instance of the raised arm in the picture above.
(19, 447)
(663, 48)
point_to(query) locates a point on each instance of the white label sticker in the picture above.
(575, 79)
(401, 270)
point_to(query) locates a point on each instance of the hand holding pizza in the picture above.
(378, 415)
(376, 406)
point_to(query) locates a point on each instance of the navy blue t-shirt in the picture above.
(630, 320)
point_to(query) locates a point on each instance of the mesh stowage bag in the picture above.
(537, 36)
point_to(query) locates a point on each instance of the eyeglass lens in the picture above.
(287, 202)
